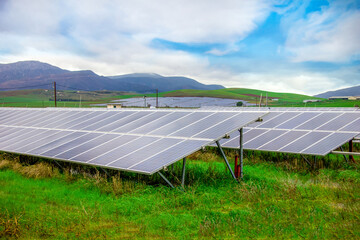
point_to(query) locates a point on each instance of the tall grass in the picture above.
(275, 200)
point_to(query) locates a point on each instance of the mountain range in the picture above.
(34, 74)
(351, 91)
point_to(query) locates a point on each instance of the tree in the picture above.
(239, 104)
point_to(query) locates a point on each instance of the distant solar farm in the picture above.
(186, 102)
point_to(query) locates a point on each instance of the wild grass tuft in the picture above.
(9, 225)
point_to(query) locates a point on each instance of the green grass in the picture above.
(44, 98)
(276, 200)
(242, 93)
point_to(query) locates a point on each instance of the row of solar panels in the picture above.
(313, 132)
(142, 141)
(178, 102)
(145, 141)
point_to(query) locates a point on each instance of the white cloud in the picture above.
(331, 35)
(176, 20)
(113, 37)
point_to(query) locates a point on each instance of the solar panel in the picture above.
(137, 140)
(315, 132)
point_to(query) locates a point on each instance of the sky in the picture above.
(304, 47)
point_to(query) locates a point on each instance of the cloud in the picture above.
(116, 37)
(329, 35)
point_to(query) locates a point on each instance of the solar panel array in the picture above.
(143, 141)
(283, 109)
(314, 132)
(178, 102)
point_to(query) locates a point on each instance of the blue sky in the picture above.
(286, 46)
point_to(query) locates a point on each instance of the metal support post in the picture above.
(351, 149)
(183, 173)
(344, 154)
(226, 161)
(306, 160)
(241, 153)
(165, 179)
(106, 172)
(58, 164)
(314, 166)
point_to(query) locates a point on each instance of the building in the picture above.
(311, 100)
(344, 98)
(114, 105)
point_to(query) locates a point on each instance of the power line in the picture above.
(33, 86)
(79, 89)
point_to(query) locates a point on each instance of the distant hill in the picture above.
(351, 91)
(34, 74)
(149, 81)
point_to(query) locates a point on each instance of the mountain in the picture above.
(351, 91)
(151, 81)
(34, 74)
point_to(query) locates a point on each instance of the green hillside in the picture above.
(250, 95)
(45, 98)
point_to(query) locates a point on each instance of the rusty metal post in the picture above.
(351, 149)
(241, 153)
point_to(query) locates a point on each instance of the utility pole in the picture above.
(55, 93)
(157, 98)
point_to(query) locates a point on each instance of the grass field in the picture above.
(44, 98)
(281, 199)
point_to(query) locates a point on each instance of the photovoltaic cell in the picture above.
(352, 127)
(263, 139)
(318, 121)
(133, 124)
(69, 145)
(178, 151)
(283, 140)
(151, 126)
(103, 148)
(122, 150)
(329, 143)
(281, 118)
(339, 122)
(180, 123)
(296, 121)
(142, 153)
(305, 141)
(53, 144)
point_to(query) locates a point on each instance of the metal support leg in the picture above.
(58, 164)
(241, 153)
(165, 179)
(226, 161)
(183, 173)
(306, 160)
(106, 172)
(314, 166)
(344, 154)
(351, 149)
